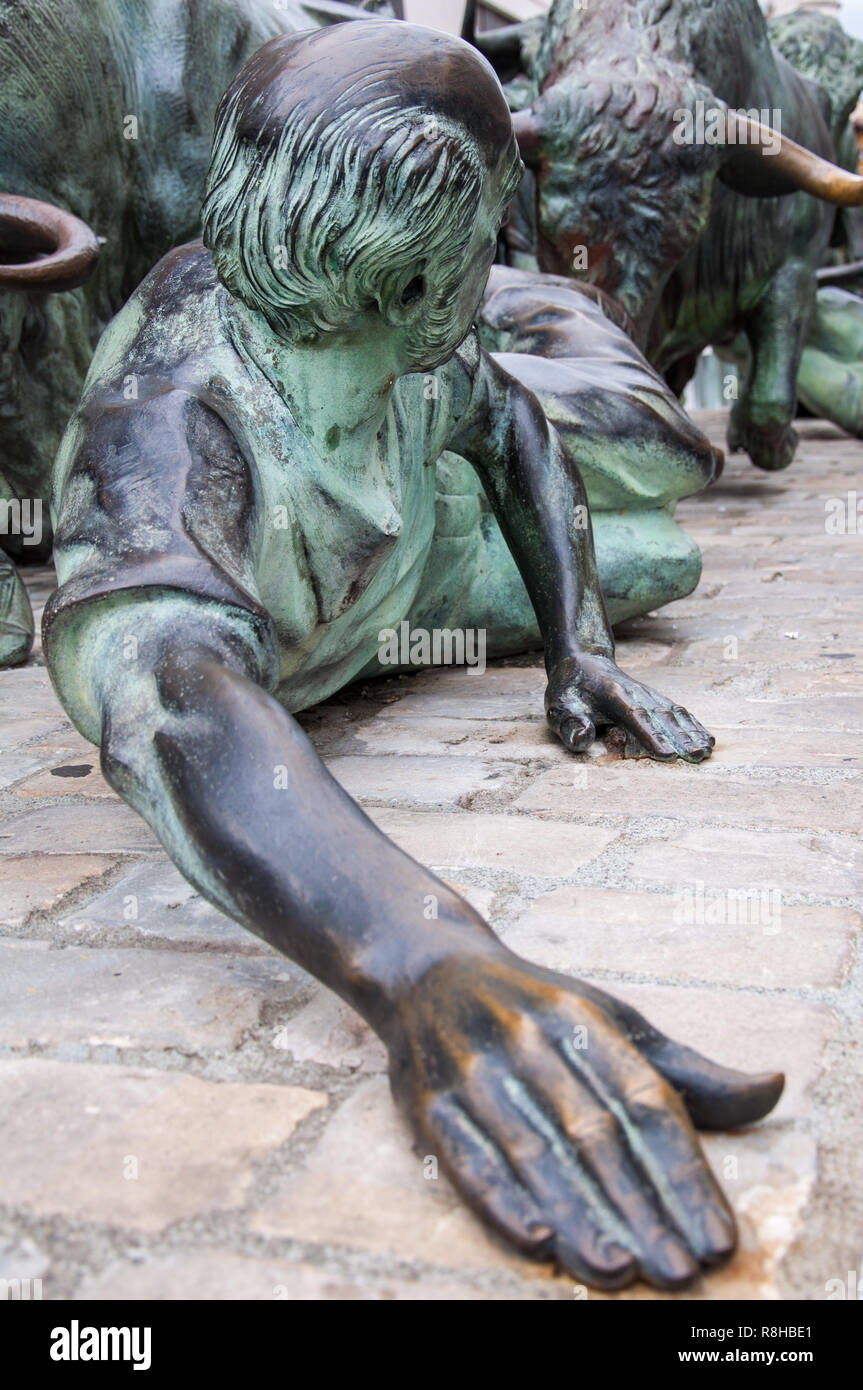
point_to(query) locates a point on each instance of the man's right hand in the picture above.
(551, 1106)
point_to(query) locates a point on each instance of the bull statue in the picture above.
(830, 381)
(674, 151)
(106, 118)
(818, 47)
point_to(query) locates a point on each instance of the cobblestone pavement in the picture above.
(187, 1115)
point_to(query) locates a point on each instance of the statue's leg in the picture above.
(832, 389)
(776, 329)
(471, 581)
(830, 380)
(645, 560)
(16, 615)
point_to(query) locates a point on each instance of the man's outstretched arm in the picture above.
(559, 1113)
(236, 792)
(538, 497)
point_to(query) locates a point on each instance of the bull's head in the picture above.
(612, 179)
(42, 247)
(618, 201)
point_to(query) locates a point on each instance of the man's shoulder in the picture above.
(153, 495)
(165, 330)
(185, 271)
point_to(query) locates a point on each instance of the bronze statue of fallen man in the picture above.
(245, 499)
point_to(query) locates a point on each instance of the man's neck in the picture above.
(337, 389)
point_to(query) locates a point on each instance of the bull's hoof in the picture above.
(16, 616)
(770, 449)
(770, 452)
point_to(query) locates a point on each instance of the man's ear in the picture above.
(407, 295)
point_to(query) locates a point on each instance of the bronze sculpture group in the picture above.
(106, 113)
(334, 415)
(702, 241)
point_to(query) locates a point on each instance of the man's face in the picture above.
(478, 260)
(483, 244)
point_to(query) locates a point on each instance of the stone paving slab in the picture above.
(134, 999)
(743, 937)
(67, 828)
(152, 901)
(187, 1115)
(28, 885)
(709, 794)
(136, 1148)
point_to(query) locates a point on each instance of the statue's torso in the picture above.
(332, 555)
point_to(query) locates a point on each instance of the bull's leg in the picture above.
(16, 615)
(776, 329)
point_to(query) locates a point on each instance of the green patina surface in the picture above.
(106, 110)
(830, 382)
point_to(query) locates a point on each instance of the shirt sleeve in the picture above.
(154, 497)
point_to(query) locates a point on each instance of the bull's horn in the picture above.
(838, 274)
(70, 249)
(793, 165)
(335, 11)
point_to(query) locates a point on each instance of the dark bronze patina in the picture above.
(230, 545)
(669, 141)
(106, 115)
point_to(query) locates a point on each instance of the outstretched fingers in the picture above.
(483, 1175)
(596, 1136)
(700, 741)
(686, 735)
(666, 731)
(591, 1239)
(661, 1138)
(651, 733)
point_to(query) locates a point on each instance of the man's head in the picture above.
(361, 168)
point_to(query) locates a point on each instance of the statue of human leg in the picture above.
(16, 615)
(471, 582)
(830, 380)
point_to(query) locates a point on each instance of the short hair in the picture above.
(313, 215)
